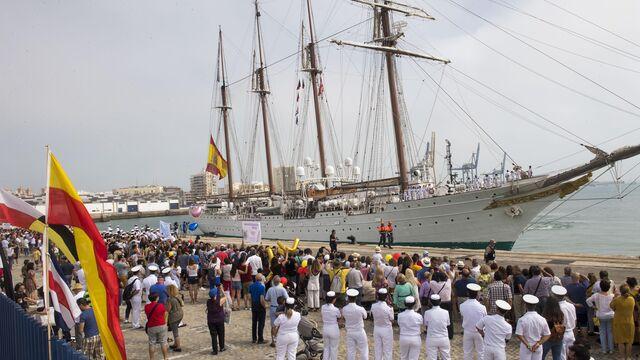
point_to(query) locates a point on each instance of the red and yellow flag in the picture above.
(216, 164)
(66, 208)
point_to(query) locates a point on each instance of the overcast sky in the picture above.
(121, 90)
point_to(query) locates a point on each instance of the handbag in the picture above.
(227, 310)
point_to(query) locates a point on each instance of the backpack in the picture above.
(127, 293)
(336, 283)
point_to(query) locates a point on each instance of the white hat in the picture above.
(426, 262)
(435, 297)
(530, 299)
(290, 301)
(136, 268)
(152, 268)
(331, 294)
(425, 253)
(460, 263)
(166, 270)
(503, 305)
(410, 300)
(383, 291)
(327, 257)
(474, 287)
(559, 290)
(352, 292)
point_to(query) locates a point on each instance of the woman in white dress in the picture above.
(313, 287)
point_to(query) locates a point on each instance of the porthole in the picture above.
(451, 220)
(476, 197)
(468, 218)
(436, 222)
(449, 200)
(409, 206)
(434, 203)
(419, 224)
(369, 227)
(490, 214)
(409, 224)
(395, 208)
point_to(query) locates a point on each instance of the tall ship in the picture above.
(308, 198)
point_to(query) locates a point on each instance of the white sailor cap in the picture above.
(409, 300)
(166, 270)
(352, 292)
(331, 294)
(503, 305)
(559, 290)
(290, 301)
(530, 299)
(383, 291)
(136, 268)
(474, 287)
(435, 297)
(152, 268)
(460, 263)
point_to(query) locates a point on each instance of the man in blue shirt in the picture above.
(91, 344)
(161, 289)
(577, 293)
(275, 291)
(258, 309)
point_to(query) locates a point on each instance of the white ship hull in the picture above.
(463, 220)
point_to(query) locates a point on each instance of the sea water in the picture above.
(577, 225)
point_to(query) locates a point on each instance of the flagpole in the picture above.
(45, 252)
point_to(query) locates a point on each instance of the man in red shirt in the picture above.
(156, 325)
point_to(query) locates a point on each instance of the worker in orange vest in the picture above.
(389, 235)
(383, 234)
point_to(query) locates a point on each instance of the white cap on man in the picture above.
(530, 299)
(503, 305)
(166, 270)
(559, 290)
(409, 300)
(352, 292)
(474, 287)
(383, 291)
(290, 301)
(136, 268)
(152, 268)
(435, 297)
(331, 294)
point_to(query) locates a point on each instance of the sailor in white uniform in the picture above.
(354, 316)
(330, 331)
(168, 280)
(569, 312)
(472, 311)
(410, 323)
(495, 331)
(436, 321)
(149, 281)
(136, 299)
(532, 330)
(382, 331)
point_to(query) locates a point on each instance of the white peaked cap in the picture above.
(559, 290)
(409, 300)
(435, 297)
(383, 291)
(474, 287)
(352, 292)
(503, 305)
(166, 270)
(136, 268)
(331, 294)
(290, 301)
(530, 299)
(152, 268)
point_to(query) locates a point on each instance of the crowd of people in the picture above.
(550, 316)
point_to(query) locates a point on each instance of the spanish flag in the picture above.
(66, 209)
(216, 164)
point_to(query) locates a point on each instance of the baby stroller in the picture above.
(300, 304)
(311, 338)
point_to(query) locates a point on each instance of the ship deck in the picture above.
(618, 266)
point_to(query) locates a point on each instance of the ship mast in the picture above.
(313, 73)
(225, 111)
(262, 91)
(382, 11)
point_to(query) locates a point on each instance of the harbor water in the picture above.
(577, 225)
